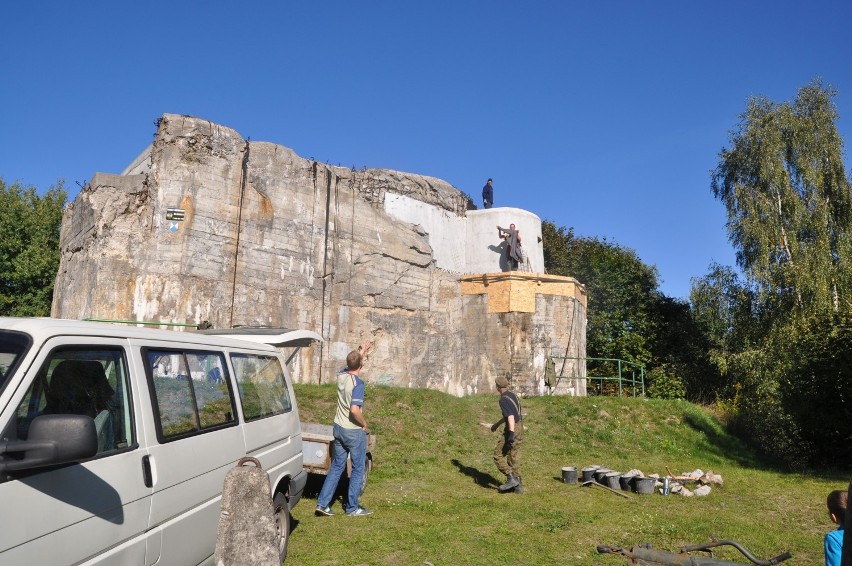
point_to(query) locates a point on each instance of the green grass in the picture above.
(434, 498)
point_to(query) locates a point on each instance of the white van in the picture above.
(116, 440)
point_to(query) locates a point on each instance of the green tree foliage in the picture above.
(620, 290)
(29, 248)
(678, 368)
(726, 316)
(816, 390)
(627, 318)
(788, 201)
(723, 306)
(775, 342)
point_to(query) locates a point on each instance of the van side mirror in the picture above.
(52, 440)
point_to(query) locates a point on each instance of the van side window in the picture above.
(263, 389)
(192, 391)
(83, 382)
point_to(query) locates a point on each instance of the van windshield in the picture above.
(13, 346)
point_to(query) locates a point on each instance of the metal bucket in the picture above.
(569, 474)
(600, 475)
(611, 479)
(589, 473)
(644, 485)
(626, 481)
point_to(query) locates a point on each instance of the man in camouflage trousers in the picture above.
(507, 452)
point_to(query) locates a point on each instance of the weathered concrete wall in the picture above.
(470, 244)
(269, 238)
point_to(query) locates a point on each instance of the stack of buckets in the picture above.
(610, 479)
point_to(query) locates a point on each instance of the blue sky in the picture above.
(602, 116)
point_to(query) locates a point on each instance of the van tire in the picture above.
(282, 523)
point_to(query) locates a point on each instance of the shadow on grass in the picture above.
(736, 449)
(314, 485)
(727, 444)
(481, 479)
(312, 490)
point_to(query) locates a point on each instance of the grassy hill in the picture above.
(434, 497)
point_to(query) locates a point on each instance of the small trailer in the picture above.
(316, 450)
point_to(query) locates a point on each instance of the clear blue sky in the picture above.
(602, 116)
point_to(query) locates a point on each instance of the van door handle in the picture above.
(146, 471)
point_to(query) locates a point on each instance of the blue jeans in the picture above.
(352, 443)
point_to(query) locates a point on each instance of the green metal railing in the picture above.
(628, 375)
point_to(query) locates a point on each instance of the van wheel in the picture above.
(282, 523)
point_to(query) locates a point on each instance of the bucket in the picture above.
(612, 480)
(626, 481)
(600, 475)
(589, 473)
(569, 474)
(645, 485)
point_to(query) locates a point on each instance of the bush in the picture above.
(664, 385)
(760, 415)
(817, 391)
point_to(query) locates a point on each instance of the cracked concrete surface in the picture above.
(259, 231)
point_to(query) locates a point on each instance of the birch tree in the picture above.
(788, 200)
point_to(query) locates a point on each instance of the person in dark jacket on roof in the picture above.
(487, 195)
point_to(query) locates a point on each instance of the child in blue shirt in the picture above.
(834, 539)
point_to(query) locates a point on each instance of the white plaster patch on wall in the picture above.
(446, 232)
(538, 362)
(310, 274)
(482, 239)
(339, 351)
(470, 244)
(343, 317)
(456, 389)
(296, 372)
(142, 307)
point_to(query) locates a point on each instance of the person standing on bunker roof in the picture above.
(507, 452)
(350, 438)
(513, 248)
(488, 195)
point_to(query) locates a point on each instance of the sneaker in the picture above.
(320, 510)
(359, 512)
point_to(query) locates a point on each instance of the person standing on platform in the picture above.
(513, 248)
(488, 195)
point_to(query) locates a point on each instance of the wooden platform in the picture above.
(515, 291)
